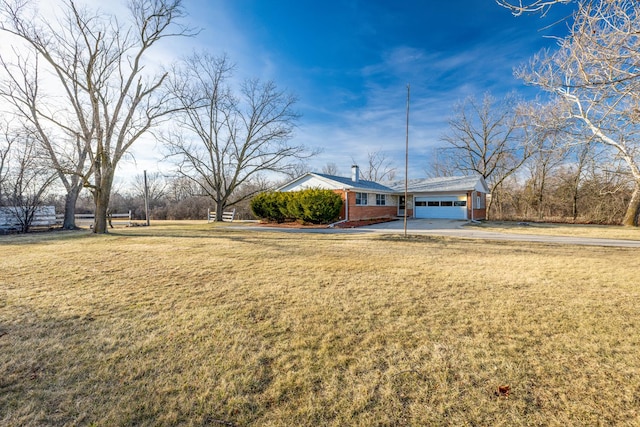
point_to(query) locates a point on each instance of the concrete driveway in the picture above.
(456, 228)
(417, 225)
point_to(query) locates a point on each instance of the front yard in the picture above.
(200, 324)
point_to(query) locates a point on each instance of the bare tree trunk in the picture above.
(633, 208)
(489, 205)
(70, 200)
(541, 197)
(219, 209)
(102, 204)
(101, 197)
(575, 191)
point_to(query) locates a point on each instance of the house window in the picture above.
(432, 203)
(446, 203)
(420, 203)
(361, 199)
(479, 201)
(460, 203)
(381, 200)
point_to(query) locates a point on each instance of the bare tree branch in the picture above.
(487, 138)
(379, 167)
(596, 73)
(110, 100)
(519, 7)
(26, 177)
(223, 141)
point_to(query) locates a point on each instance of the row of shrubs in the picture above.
(310, 206)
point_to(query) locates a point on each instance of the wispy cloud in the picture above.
(350, 70)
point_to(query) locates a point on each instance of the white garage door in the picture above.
(446, 207)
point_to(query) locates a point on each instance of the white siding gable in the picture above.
(312, 181)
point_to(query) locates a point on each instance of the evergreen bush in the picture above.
(313, 205)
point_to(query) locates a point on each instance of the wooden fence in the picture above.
(227, 216)
(87, 220)
(13, 217)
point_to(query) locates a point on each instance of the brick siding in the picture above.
(358, 212)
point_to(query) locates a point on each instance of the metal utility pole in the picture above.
(406, 165)
(146, 199)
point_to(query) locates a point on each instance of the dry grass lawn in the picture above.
(552, 229)
(196, 324)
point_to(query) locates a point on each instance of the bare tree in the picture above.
(547, 157)
(595, 72)
(181, 188)
(441, 163)
(379, 167)
(330, 169)
(552, 145)
(68, 153)
(296, 169)
(574, 178)
(27, 178)
(486, 138)
(224, 140)
(98, 67)
(156, 184)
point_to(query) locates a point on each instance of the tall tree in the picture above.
(596, 73)
(225, 138)
(28, 176)
(487, 138)
(67, 152)
(98, 69)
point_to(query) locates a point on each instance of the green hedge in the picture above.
(312, 205)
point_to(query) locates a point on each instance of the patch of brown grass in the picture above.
(553, 229)
(201, 324)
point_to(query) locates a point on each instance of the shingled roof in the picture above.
(453, 184)
(360, 184)
(440, 184)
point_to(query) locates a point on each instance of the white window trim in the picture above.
(359, 197)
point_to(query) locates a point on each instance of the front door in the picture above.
(401, 206)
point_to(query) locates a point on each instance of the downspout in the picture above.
(472, 208)
(346, 205)
(471, 200)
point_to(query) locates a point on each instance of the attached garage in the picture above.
(441, 207)
(452, 197)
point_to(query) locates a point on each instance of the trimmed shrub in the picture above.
(257, 205)
(319, 206)
(313, 205)
(267, 206)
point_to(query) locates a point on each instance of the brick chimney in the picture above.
(355, 173)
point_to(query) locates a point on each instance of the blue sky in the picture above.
(349, 63)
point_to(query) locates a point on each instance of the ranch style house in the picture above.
(456, 197)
